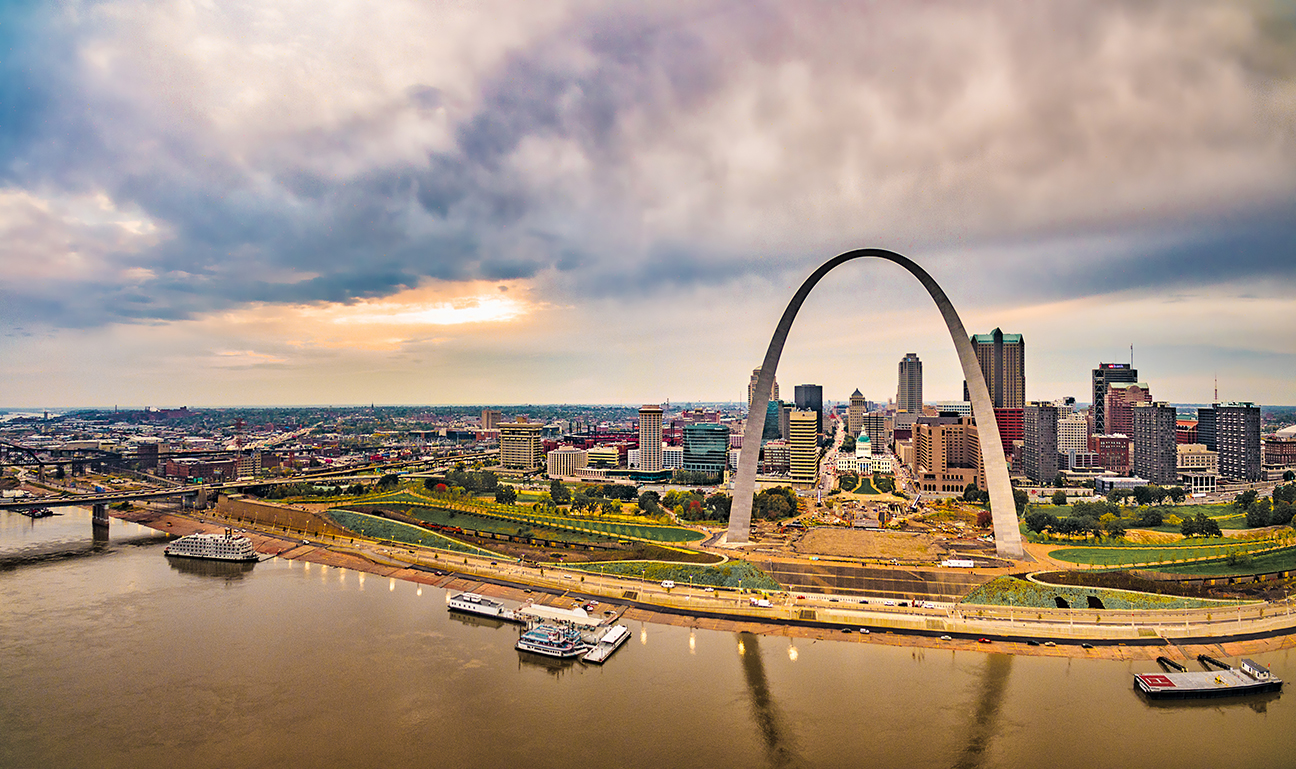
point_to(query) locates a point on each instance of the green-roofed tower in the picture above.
(1003, 364)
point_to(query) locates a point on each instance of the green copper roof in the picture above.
(989, 338)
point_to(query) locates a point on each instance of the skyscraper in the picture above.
(1039, 442)
(803, 443)
(1206, 428)
(809, 397)
(1156, 454)
(909, 393)
(490, 419)
(751, 387)
(520, 446)
(1237, 434)
(1106, 374)
(650, 439)
(855, 414)
(1003, 364)
(878, 426)
(1121, 398)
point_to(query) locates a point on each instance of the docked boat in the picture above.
(473, 603)
(213, 547)
(37, 512)
(553, 641)
(1250, 678)
(607, 643)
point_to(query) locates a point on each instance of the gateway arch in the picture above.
(1003, 509)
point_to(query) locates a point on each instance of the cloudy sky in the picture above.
(292, 202)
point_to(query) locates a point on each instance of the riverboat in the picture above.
(472, 603)
(37, 512)
(607, 643)
(213, 547)
(1249, 678)
(553, 641)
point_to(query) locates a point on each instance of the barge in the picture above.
(607, 643)
(1250, 678)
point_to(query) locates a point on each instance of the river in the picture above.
(113, 656)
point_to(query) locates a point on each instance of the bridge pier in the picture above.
(99, 521)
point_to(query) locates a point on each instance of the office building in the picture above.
(1073, 433)
(809, 397)
(490, 419)
(1121, 399)
(706, 448)
(1003, 364)
(946, 455)
(1237, 438)
(1039, 442)
(803, 445)
(520, 446)
(1196, 458)
(855, 413)
(1206, 428)
(1186, 431)
(1279, 452)
(1156, 455)
(961, 408)
(751, 387)
(1113, 452)
(672, 458)
(564, 461)
(909, 391)
(1103, 376)
(650, 439)
(879, 428)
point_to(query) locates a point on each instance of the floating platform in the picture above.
(1251, 678)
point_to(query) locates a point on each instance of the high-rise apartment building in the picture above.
(803, 445)
(706, 448)
(855, 413)
(1039, 442)
(809, 397)
(1104, 375)
(650, 439)
(1237, 436)
(909, 392)
(1156, 454)
(490, 419)
(1113, 452)
(520, 446)
(1003, 364)
(1121, 398)
(751, 387)
(947, 454)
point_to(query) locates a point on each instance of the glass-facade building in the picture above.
(706, 448)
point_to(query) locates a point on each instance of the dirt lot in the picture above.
(853, 543)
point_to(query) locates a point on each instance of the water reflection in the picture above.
(229, 570)
(779, 745)
(552, 665)
(994, 681)
(472, 620)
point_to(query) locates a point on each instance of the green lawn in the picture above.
(866, 487)
(729, 574)
(1015, 592)
(383, 528)
(1116, 555)
(1279, 560)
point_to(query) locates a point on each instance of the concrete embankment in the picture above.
(1113, 635)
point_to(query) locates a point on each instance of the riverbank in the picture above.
(1112, 635)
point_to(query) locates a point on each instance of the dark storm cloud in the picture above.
(785, 131)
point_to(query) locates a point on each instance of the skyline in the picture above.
(267, 204)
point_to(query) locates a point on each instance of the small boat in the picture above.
(553, 641)
(213, 547)
(607, 643)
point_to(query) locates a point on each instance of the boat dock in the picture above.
(607, 643)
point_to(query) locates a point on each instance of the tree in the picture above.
(719, 505)
(848, 445)
(650, 502)
(984, 519)
(486, 480)
(1150, 518)
(1245, 499)
(1059, 498)
(558, 492)
(773, 504)
(1143, 495)
(1200, 525)
(884, 483)
(1021, 498)
(389, 481)
(1037, 521)
(1259, 513)
(1114, 528)
(1285, 493)
(1177, 494)
(505, 495)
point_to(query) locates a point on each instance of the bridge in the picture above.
(99, 501)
